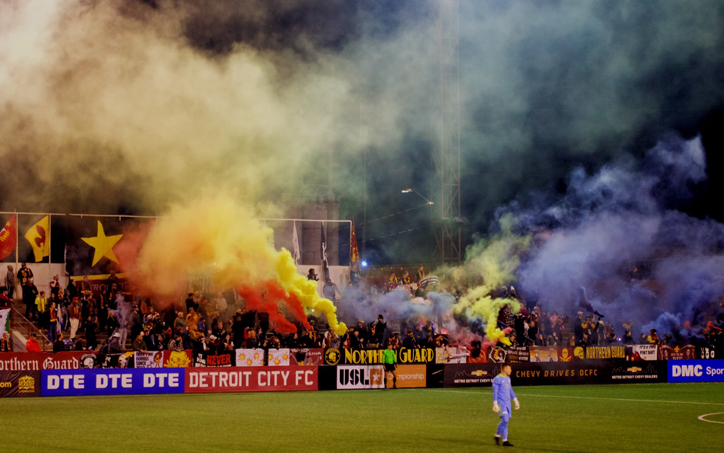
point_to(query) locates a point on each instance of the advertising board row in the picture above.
(139, 381)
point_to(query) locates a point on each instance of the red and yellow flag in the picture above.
(354, 249)
(38, 238)
(9, 237)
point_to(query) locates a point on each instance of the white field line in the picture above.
(703, 418)
(595, 398)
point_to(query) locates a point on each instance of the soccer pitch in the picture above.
(613, 418)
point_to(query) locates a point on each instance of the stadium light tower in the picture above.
(447, 161)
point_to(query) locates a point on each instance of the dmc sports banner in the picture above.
(374, 356)
(19, 383)
(696, 370)
(249, 357)
(111, 382)
(644, 352)
(251, 379)
(21, 361)
(358, 377)
(209, 359)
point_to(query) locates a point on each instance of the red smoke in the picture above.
(266, 300)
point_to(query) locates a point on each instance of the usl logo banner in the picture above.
(251, 379)
(354, 377)
(111, 382)
(696, 370)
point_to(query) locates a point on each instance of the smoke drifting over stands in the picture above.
(137, 106)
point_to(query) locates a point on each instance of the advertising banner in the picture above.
(374, 356)
(210, 359)
(19, 383)
(249, 357)
(306, 356)
(543, 354)
(409, 377)
(677, 353)
(470, 374)
(451, 355)
(696, 370)
(356, 377)
(177, 359)
(111, 382)
(644, 352)
(278, 357)
(651, 371)
(68, 360)
(251, 379)
(151, 359)
(606, 352)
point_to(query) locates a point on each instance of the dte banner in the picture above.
(111, 382)
(251, 379)
(696, 371)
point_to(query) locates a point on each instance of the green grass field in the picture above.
(614, 418)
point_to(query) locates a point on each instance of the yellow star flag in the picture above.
(37, 236)
(103, 245)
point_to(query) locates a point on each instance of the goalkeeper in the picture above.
(502, 394)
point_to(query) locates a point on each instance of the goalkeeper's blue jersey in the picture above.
(503, 390)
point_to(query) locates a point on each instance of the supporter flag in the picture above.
(354, 249)
(295, 244)
(325, 262)
(92, 244)
(4, 321)
(39, 238)
(9, 237)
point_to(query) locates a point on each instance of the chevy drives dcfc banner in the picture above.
(251, 379)
(696, 370)
(127, 381)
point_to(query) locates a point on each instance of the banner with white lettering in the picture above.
(677, 352)
(251, 379)
(249, 357)
(543, 354)
(696, 370)
(111, 382)
(451, 355)
(22, 361)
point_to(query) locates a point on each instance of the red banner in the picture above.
(8, 237)
(35, 361)
(306, 357)
(677, 352)
(251, 379)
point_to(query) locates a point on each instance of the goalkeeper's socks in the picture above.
(497, 440)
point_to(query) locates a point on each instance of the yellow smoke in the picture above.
(496, 261)
(220, 236)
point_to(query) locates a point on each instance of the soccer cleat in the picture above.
(507, 444)
(497, 440)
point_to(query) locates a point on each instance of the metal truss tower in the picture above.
(447, 161)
